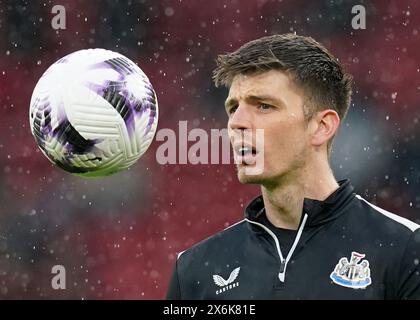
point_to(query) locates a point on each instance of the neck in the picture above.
(284, 200)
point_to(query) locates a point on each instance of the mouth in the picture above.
(245, 151)
(245, 154)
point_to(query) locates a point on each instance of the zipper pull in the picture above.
(282, 266)
(282, 269)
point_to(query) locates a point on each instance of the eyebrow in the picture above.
(254, 98)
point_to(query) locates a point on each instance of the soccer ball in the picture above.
(93, 113)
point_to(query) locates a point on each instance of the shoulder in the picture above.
(219, 242)
(386, 221)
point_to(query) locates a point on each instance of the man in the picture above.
(307, 236)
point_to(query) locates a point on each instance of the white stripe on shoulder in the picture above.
(408, 223)
(179, 254)
(243, 220)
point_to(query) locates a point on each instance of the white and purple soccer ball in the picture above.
(93, 113)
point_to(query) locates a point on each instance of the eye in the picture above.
(264, 106)
(232, 109)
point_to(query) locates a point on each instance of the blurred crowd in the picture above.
(118, 237)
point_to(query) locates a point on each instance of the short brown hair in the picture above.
(323, 79)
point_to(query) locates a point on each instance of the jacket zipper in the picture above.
(283, 262)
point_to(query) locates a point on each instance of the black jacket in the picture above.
(345, 248)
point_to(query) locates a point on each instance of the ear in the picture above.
(324, 126)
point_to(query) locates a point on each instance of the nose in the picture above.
(241, 119)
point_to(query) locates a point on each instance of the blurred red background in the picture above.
(118, 236)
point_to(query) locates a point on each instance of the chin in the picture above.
(245, 178)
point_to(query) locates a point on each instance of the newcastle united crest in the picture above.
(352, 274)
